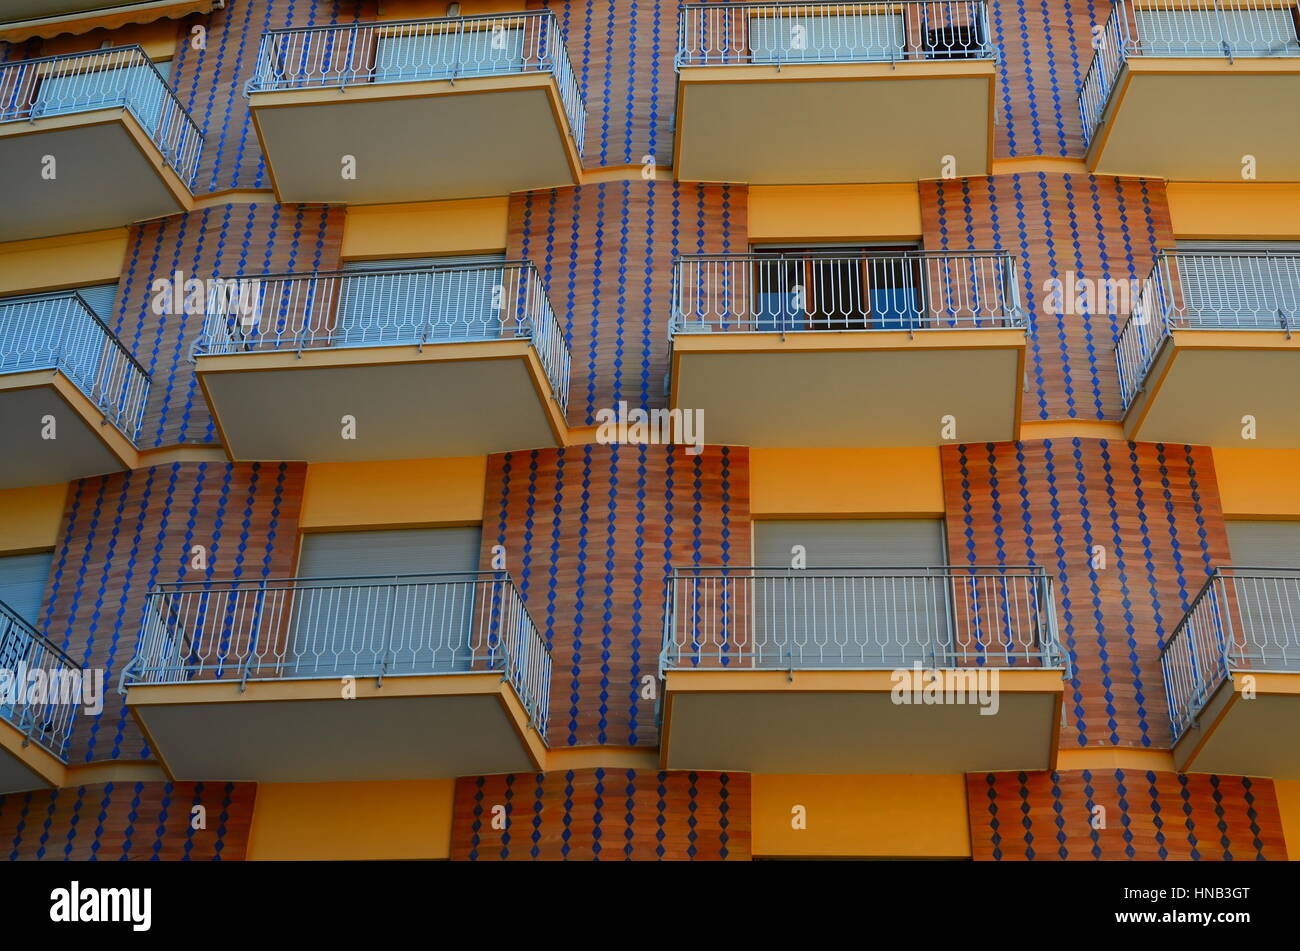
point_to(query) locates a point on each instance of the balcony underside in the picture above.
(423, 727)
(108, 173)
(1242, 736)
(1203, 382)
(454, 399)
(84, 445)
(846, 722)
(1196, 119)
(26, 768)
(24, 19)
(876, 388)
(420, 141)
(831, 124)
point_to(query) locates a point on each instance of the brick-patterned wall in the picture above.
(605, 254)
(224, 241)
(590, 534)
(128, 821)
(1154, 511)
(1096, 228)
(1148, 816)
(124, 533)
(607, 814)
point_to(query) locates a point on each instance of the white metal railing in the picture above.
(59, 331)
(391, 307)
(448, 48)
(324, 628)
(1243, 619)
(45, 719)
(850, 290)
(860, 618)
(124, 78)
(1233, 29)
(749, 34)
(1206, 290)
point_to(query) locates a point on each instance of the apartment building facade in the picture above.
(503, 430)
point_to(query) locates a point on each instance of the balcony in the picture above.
(427, 362)
(417, 110)
(91, 140)
(830, 92)
(1186, 90)
(1232, 675)
(71, 396)
(25, 19)
(775, 670)
(331, 679)
(816, 349)
(1207, 351)
(34, 726)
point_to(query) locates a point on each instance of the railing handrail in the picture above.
(377, 272)
(412, 21)
(234, 583)
(30, 630)
(853, 253)
(1017, 570)
(108, 332)
(153, 68)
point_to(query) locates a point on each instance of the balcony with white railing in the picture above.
(824, 670)
(320, 679)
(1194, 90)
(35, 722)
(71, 395)
(453, 360)
(1232, 675)
(832, 92)
(1209, 341)
(814, 348)
(415, 110)
(91, 140)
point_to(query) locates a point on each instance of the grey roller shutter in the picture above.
(1236, 289)
(1264, 544)
(485, 51)
(399, 601)
(1213, 32)
(824, 616)
(420, 300)
(136, 87)
(844, 38)
(22, 583)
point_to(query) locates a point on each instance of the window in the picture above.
(1238, 283)
(849, 288)
(826, 39)
(415, 300)
(1212, 32)
(357, 617)
(22, 583)
(487, 48)
(136, 86)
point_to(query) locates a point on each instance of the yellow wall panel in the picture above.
(407, 493)
(1288, 804)
(869, 816)
(834, 213)
(468, 226)
(840, 482)
(322, 821)
(1259, 483)
(45, 264)
(1243, 211)
(30, 518)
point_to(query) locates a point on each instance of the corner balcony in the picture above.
(416, 110)
(1208, 344)
(333, 679)
(817, 349)
(89, 141)
(830, 92)
(34, 727)
(71, 395)
(1232, 675)
(424, 362)
(1186, 90)
(25, 19)
(776, 670)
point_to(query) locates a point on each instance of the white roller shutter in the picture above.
(22, 583)
(1235, 290)
(824, 617)
(489, 50)
(1204, 32)
(406, 598)
(433, 300)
